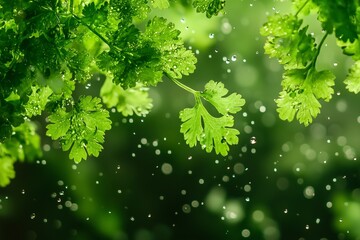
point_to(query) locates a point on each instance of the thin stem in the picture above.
(302, 7)
(183, 86)
(92, 30)
(313, 63)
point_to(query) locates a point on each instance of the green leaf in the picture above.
(339, 16)
(304, 7)
(214, 93)
(301, 92)
(82, 129)
(6, 169)
(352, 81)
(129, 101)
(38, 99)
(23, 144)
(292, 46)
(210, 7)
(175, 59)
(212, 132)
(60, 124)
(161, 4)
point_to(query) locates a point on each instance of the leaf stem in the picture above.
(183, 86)
(313, 63)
(92, 30)
(302, 7)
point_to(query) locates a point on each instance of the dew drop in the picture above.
(186, 208)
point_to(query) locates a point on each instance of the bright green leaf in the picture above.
(214, 93)
(211, 132)
(38, 99)
(210, 7)
(353, 79)
(127, 101)
(161, 4)
(199, 126)
(301, 92)
(82, 129)
(6, 169)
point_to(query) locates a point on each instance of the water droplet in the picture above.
(166, 168)
(309, 192)
(253, 140)
(32, 216)
(186, 208)
(211, 35)
(233, 58)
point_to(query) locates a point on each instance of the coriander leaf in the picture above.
(301, 92)
(292, 46)
(6, 169)
(352, 81)
(175, 60)
(214, 93)
(127, 101)
(210, 7)
(60, 124)
(131, 59)
(350, 48)
(304, 7)
(95, 15)
(23, 144)
(211, 132)
(37, 100)
(82, 129)
(161, 4)
(338, 16)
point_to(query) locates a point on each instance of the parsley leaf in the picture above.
(6, 169)
(23, 144)
(127, 101)
(37, 100)
(210, 7)
(214, 93)
(353, 79)
(293, 47)
(212, 132)
(175, 60)
(161, 4)
(82, 129)
(339, 16)
(301, 91)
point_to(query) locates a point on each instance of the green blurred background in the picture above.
(282, 181)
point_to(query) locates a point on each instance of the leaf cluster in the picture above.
(48, 48)
(288, 40)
